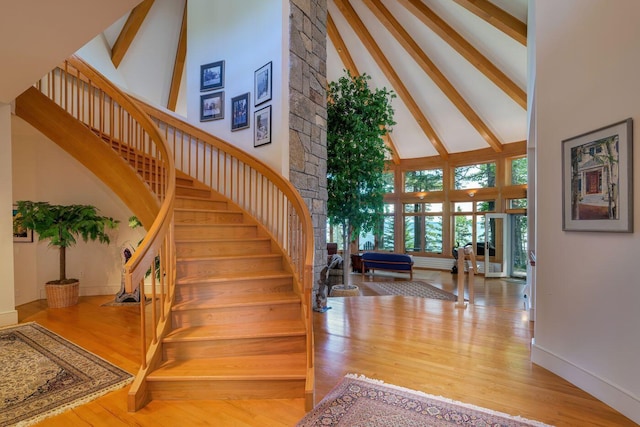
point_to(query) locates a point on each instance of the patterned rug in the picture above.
(43, 375)
(360, 401)
(415, 288)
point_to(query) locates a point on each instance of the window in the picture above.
(387, 234)
(423, 227)
(475, 176)
(519, 171)
(517, 204)
(389, 182)
(423, 180)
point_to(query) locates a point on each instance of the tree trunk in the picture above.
(346, 233)
(63, 263)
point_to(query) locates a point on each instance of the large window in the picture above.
(423, 227)
(423, 180)
(389, 182)
(475, 176)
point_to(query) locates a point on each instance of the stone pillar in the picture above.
(308, 114)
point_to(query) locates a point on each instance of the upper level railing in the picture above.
(118, 121)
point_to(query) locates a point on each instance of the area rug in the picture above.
(43, 375)
(358, 401)
(414, 288)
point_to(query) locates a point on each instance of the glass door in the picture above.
(519, 245)
(497, 253)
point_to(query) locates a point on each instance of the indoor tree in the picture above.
(357, 119)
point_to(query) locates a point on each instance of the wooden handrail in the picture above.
(118, 121)
(256, 188)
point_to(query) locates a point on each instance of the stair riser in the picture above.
(233, 347)
(216, 217)
(204, 232)
(232, 315)
(227, 248)
(225, 389)
(200, 204)
(219, 267)
(192, 192)
(208, 291)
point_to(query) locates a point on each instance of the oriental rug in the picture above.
(358, 401)
(414, 288)
(43, 375)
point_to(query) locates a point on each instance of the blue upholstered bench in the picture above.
(387, 261)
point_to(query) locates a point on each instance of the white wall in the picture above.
(44, 172)
(8, 314)
(246, 35)
(587, 319)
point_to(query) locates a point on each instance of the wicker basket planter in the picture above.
(345, 291)
(65, 295)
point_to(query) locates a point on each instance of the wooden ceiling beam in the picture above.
(497, 17)
(178, 66)
(129, 31)
(348, 62)
(384, 15)
(403, 93)
(464, 48)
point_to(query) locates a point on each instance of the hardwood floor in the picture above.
(478, 355)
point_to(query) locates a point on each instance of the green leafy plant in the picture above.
(62, 225)
(357, 118)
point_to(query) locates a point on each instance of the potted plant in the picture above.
(62, 225)
(357, 118)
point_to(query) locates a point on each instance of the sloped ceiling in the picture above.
(458, 66)
(38, 34)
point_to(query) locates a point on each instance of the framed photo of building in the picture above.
(262, 84)
(20, 234)
(262, 126)
(212, 106)
(597, 180)
(240, 112)
(212, 76)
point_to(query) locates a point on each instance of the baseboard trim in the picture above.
(621, 400)
(9, 318)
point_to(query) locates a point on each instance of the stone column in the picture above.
(308, 114)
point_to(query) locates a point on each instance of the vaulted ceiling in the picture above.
(458, 67)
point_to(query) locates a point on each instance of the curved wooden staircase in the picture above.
(230, 242)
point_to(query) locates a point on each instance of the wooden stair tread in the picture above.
(281, 328)
(247, 257)
(242, 300)
(239, 276)
(204, 210)
(264, 367)
(214, 196)
(219, 240)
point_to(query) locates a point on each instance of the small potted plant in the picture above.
(62, 225)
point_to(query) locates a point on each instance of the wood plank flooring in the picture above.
(478, 355)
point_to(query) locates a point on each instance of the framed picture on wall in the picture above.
(262, 126)
(240, 112)
(262, 84)
(597, 180)
(212, 76)
(20, 234)
(212, 106)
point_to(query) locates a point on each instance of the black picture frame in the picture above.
(262, 126)
(240, 112)
(262, 83)
(212, 76)
(20, 234)
(212, 106)
(597, 180)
